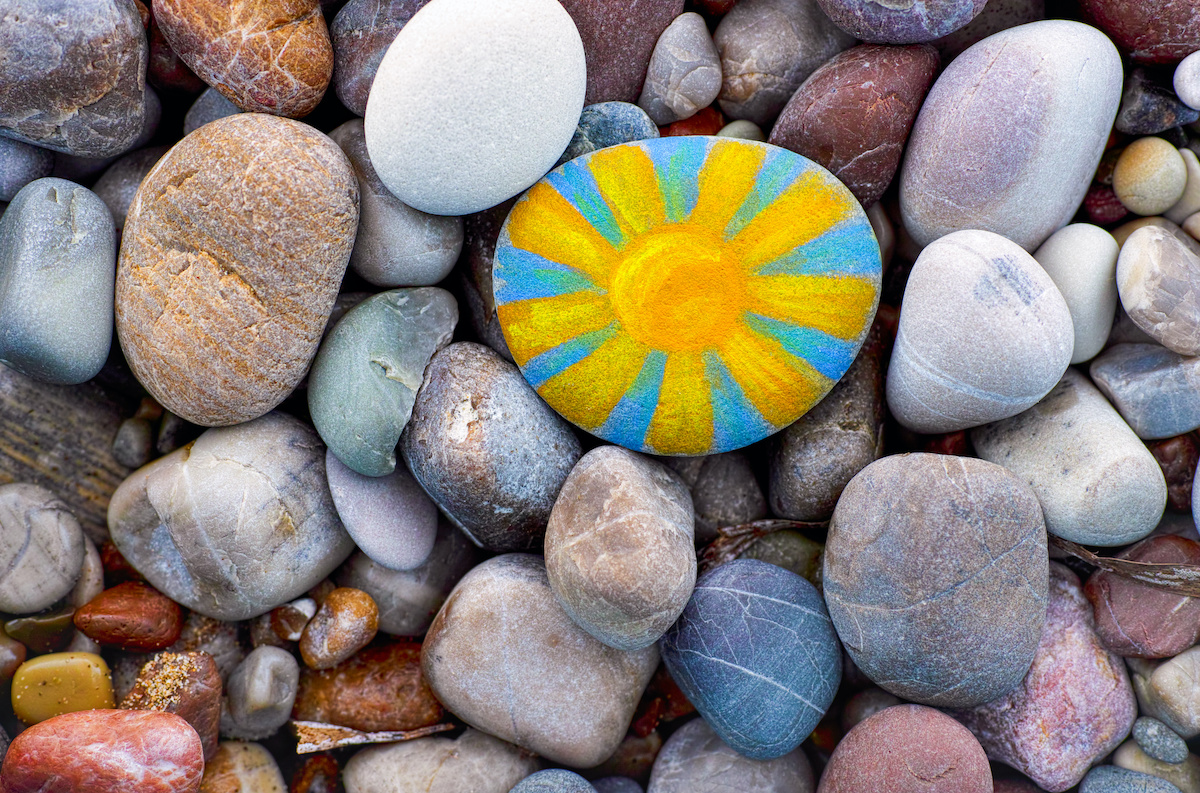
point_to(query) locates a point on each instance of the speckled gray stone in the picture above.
(41, 548)
(931, 605)
(602, 125)
(616, 784)
(1155, 390)
(1159, 741)
(725, 491)
(20, 164)
(487, 449)
(695, 760)
(684, 73)
(1111, 779)
(260, 694)
(209, 106)
(58, 260)
(86, 169)
(396, 244)
(364, 380)
(73, 76)
(117, 186)
(904, 22)
(473, 761)
(553, 780)
(361, 33)
(236, 523)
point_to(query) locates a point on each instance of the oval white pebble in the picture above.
(1187, 81)
(1081, 259)
(474, 102)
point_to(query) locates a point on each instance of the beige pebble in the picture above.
(1150, 176)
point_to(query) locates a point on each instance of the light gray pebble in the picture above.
(1187, 81)
(725, 491)
(41, 548)
(1158, 279)
(695, 760)
(134, 443)
(1155, 390)
(260, 694)
(1159, 741)
(209, 106)
(1110, 779)
(553, 780)
(684, 73)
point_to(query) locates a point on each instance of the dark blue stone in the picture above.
(607, 124)
(756, 653)
(554, 780)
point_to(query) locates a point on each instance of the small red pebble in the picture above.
(1102, 205)
(116, 567)
(133, 616)
(1177, 457)
(716, 7)
(707, 122)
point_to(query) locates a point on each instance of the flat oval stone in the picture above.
(1081, 259)
(207, 310)
(484, 447)
(1185, 776)
(236, 523)
(600, 125)
(989, 136)
(265, 57)
(984, 334)
(41, 548)
(396, 245)
(756, 653)
(553, 780)
(1111, 779)
(929, 606)
(619, 547)
(490, 142)
(132, 615)
(1157, 276)
(684, 74)
(904, 22)
(1155, 390)
(57, 683)
(853, 114)
(472, 651)
(695, 760)
(361, 33)
(666, 319)
(1097, 482)
(57, 264)
(187, 684)
(1163, 32)
(240, 767)
(74, 76)
(1186, 81)
(1159, 741)
(20, 164)
(473, 761)
(1030, 728)
(618, 42)
(908, 749)
(106, 750)
(260, 693)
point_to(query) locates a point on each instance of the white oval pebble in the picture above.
(1081, 259)
(1187, 81)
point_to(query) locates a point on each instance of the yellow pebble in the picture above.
(58, 683)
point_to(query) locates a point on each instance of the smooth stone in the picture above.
(396, 245)
(854, 113)
(41, 549)
(133, 616)
(73, 77)
(390, 517)
(487, 449)
(1097, 482)
(481, 231)
(1156, 391)
(984, 334)
(1149, 107)
(1073, 707)
(600, 126)
(1185, 776)
(616, 784)
(619, 547)
(1159, 741)
(790, 550)
(209, 106)
(58, 259)
(345, 623)
(364, 380)
(901, 23)
(236, 523)
(57, 683)
(91, 576)
(45, 632)
(133, 445)
(985, 147)
(240, 767)
(1111, 779)
(1150, 176)
(743, 130)
(490, 143)
(864, 705)
(1178, 458)
(908, 749)
(1161, 32)
(289, 620)
(20, 164)
(208, 313)
(361, 33)
(218, 639)
(1158, 279)
(618, 43)
(553, 780)
(1170, 691)
(469, 654)
(929, 607)
(1081, 260)
(695, 760)
(684, 74)
(725, 491)
(186, 684)
(260, 693)
(118, 185)
(756, 653)
(996, 16)
(408, 600)
(768, 48)
(1189, 203)
(1186, 81)
(814, 458)
(474, 761)
(272, 57)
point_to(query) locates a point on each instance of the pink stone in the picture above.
(1075, 705)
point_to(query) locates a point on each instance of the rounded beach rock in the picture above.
(265, 56)
(684, 74)
(600, 125)
(473, 651)
(119, 184)
(490, 141)
(361, 33)
(1186, 81)
(619, 547)
(207, 310)
(991, 139)
(1168, 691)
(905, 22)
(41, 548)
(209, 106)
(1097, 482)
(1158, 278)
(20, 164)
(240, 767)
(854, 113)
(983, 335)
(1081, 259)
(260, 693)
(1150, 176)
(725, 491)
(487, 449)
(553, 780)
(930, 606)
(473, 761)
(187, 684)
(695, 760)
(618, 39)
(757, 655)
(1161, 32)
(236, 523)
(1159, 741)
(1156, 391)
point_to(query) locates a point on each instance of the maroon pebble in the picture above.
(1152, 31)
(618, 39)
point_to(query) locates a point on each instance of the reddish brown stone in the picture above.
(380, 688)
(480, 232)
(853, 114)
(319, 774)
(1138, 621)
(716, 7)
(186, 684)
(134, 616)
(957, 443)
(1102, 205)
(117, 568)
(1178, 457)
(707, 122)
(289, 620)
(166, 71)
(12, 655)
(105, 751)
(345, 623)
(361, 33)
(618, 39)
(1152, 31)
(662, 701)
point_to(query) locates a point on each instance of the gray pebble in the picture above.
(117, 186)
(260, 694)
(41, 548)
(725, 491)
(1158, 279)
(1110, 779)
(1159, 741)
(616, 784)
(474, 761)
(1155, 390)
(20, 164)
(695, 760)
(361, 33)
(553, 780)
(83, 169)
(606, 124)
(134, 443)
(684, 75)
(209, 106)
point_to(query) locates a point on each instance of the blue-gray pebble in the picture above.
(553, 780)
(755, 651)
(365, 377)
(1155, 390)
(1159, 741)
(616, 784)
(607, 124)
(58, 259)
(20, 164)
(1110, 779)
